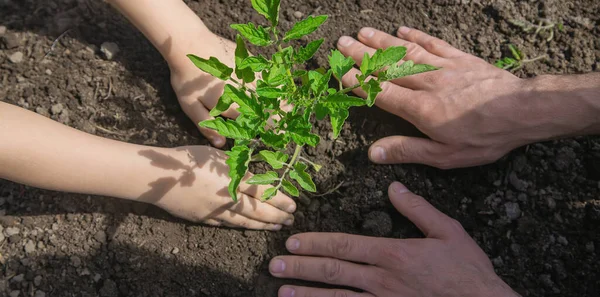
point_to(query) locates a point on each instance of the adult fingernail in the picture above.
(403, 30)
(378, 154)
(288, 222)
(277, 266)
(345, 41)
(399, 188)
(367, 32)
(291, 208)
(286, 292)
(292, 244)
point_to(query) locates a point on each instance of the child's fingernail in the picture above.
(288, 222)
(345, 41)
(399, 188)
(218, 141)
(403, 30)
(378, 154)
(292, 244)
(277, 266)
(286, 292)
(291, 208)
(366, 32)
(276, 227)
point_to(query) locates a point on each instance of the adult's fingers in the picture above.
(297, 291)
(393, 98)
(341, 246)
(406, 149)
(431, 44)
(377, 39)
(325, 270)
(234, 220)
(432, 222)
(280, 200)
(253, 208)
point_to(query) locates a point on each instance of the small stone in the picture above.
(10, 41)
(498, 262)
(517, 183)
(175, 251)
(29, 247)
(97, 277)
(298, 14)
(515, 249)
(14, 293)
(48, 72)
(562, 240)
(16, 58)
(41, 245)
(75, 261)
(18, 278)
(37, 281)
(513, 211)
(100, 236)
(54, 227)
(84, 272)
(40, 294)
(57, 108)
(2, 30)
(377, 223)
(20, 79)
(109, 49)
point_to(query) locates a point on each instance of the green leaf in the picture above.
(318, 82)
(372, 88)
(302, 177)
(212, 66)
(307, 52)
(289, 188)
(303, 137)
(256, 35)
(515, 52)
(283, 56)
(276, 75)
(238, 160)
(405, 69)
(263, 179)
(382, 58)
(229, 128)
(248, 106)
(338, 117)
(269, 9)
(275, 159)
(304, 27)
(336, 106)
(274, 140)
(223, 104)
(340, 65)
(299, 73)
(268, 194)
(241, 53)
(270, 92)
(256, 63)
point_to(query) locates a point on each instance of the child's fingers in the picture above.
(253, 208)
(280, 200)
(235, 220)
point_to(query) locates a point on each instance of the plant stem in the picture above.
(348, 89)
(535, 59)
(290, 165)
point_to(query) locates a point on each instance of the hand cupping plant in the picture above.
(279, 80)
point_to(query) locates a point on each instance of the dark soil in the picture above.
(536, 212)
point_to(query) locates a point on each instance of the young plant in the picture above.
(280, 79)
(544, 27)
(516, 62)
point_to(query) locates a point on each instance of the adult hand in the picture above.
(445, 263)
(473, 112)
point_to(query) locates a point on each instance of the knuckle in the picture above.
(332, 270)
(338, 245)
(297, 268)
(456, 226)
(434, 44)
(395, 252)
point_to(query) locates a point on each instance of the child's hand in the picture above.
(198, 191)
(197, 91)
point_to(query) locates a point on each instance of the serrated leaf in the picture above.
(278, 141)
(241, 53)
(318, 82)
(302, 177)
(338, 117)
(275, 159)
(270, 92)
(299, 73)
(269, 9)
(268, 194)
(372, 88)
(405, 69)
(283, 56)
(256, 63)
(248, 106)
(382, 58)
(289, 188)
(212, 66)
(515, 52)
(239, 158)
(303, 137)
(336, 106)
(223, 104)
(263, 179)
(229, 128)
(308, 51)
(340, 65)
(276, 75)
(304, 27)
(256, 35)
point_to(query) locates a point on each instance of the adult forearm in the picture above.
(563, 105)
(39, 152)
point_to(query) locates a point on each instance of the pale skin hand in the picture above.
(473, 112)
(175, 30)
(189, 182)
(446, 263)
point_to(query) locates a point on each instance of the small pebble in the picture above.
(18, 278)
(109, 49)
(29, 247)
(298, 14)
(562, 240)
(57, 108)
(37, 281)
(75, 261)
(100, 236)
(513, 211)
(175, 251)
(48, 72)
(16, 57)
